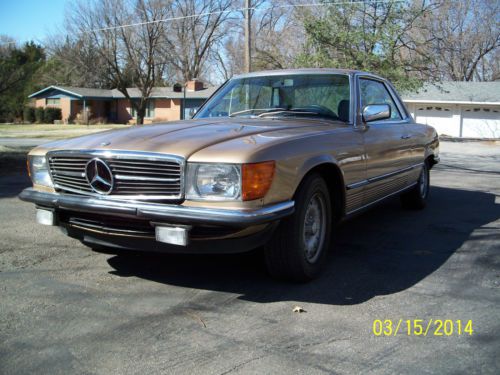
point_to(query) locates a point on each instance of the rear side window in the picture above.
(374, 92)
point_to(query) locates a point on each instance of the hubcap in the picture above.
(314, 227)
(423, 182)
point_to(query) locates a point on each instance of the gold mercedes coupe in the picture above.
(272, 159)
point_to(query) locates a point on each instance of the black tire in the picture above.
(416, 198)
(287, 255)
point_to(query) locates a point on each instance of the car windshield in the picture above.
(307, 95)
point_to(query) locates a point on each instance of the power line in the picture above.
(255, 9)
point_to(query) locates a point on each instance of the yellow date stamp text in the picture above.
(421, 327)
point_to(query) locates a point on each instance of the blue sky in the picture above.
(31, 19)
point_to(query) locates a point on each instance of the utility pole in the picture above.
(248, 42)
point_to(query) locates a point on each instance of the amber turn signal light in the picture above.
(256, 179)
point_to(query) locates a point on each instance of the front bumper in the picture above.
(159, 212)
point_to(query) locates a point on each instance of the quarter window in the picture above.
(375, 92)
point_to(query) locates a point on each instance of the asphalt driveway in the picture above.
(66, 309)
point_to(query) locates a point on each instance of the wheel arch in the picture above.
(329, 170)
(431, 161)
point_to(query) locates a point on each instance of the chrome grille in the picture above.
(137, 175)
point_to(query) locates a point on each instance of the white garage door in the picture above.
(480, 122)
(441, 118)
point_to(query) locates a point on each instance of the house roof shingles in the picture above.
(158, 92)
(463, 92)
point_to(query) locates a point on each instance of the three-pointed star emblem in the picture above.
(99, 176)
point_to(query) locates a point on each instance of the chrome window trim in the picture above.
(123, 155)
(368, 181)
(351, 83)
(383, 83)
(398, 101)
(405, 117)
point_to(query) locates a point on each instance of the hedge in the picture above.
(29, 114)
(51, 114)
(39, 115)
(42, 115)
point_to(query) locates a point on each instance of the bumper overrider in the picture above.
(172, 223)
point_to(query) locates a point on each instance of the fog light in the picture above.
(172, 235)
(45, 217)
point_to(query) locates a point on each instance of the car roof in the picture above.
(264, 73)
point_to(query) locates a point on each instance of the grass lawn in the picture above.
(52, 131)
(13, 157)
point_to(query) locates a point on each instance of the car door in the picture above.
(387, 150)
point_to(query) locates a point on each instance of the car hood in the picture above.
(184, 138)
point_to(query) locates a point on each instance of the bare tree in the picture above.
(195, 35)
(131, 53)
(460, 40)
(277, 38)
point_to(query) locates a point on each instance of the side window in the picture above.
(374, 92)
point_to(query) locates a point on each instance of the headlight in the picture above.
(213, 181)
(39, 171)
(242, 182)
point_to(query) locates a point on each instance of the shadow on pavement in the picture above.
(383, 251)
(11, 185)
(13, 173)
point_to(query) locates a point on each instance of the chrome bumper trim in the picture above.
(155, 211)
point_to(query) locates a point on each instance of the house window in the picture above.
(150, 110)
(53, 101)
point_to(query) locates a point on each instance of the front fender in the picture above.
(315, 161)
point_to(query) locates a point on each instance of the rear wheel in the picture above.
(299, 247)
(416, 198)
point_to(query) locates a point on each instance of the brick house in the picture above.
(165, 104)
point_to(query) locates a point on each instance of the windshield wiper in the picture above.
(255, 109)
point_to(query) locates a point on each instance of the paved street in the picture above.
(65, 309)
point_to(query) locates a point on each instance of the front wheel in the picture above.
(416, 198)
(299, 247)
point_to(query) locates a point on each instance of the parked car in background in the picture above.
(273, 158)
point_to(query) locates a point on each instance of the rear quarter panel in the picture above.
(425, 142)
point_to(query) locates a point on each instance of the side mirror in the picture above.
(375, 112)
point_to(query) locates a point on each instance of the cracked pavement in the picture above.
(67, 309)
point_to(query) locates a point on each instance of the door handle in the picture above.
(405, 136)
